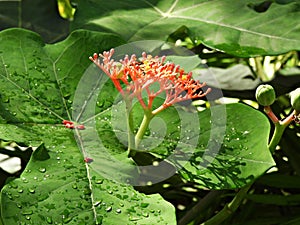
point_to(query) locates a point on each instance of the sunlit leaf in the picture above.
(232, 26)
(38, 84)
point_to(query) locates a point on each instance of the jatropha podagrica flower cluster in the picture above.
(139, 74)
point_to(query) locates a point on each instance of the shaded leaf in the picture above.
(237, 77)
(39, 16)
(223, 147)
(234, 27)
(239, 158)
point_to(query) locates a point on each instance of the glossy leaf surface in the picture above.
(38, 84)
(234, 27)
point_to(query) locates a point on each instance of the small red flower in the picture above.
(70, 125)
(67, 122)
(88, 160)
(80, 127)
(140, 75)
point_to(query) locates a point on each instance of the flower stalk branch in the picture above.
(145, 79)
(143, 127)
(280, 126)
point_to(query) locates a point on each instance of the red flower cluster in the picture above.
(71, 125)
(140, 75)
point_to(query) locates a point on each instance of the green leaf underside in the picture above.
(38, 83)
(234, 27)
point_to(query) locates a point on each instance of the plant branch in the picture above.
(270, 114)
(259, 69)
(229, 208)
(278, 131)
(143, 127)
(202, 205)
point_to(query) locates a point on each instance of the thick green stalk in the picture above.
(278, 131)
(143, 127)
(229, 208)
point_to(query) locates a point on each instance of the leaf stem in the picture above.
(229, 208)
(270, 114)
(278, 131)
(260, 70)
(148, 115)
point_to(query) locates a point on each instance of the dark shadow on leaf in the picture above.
(260, 7)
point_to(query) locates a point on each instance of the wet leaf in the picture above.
(223, 147)
(38, 83)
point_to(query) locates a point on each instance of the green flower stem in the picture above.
(143, 127)
(270, 114)
(278, 131)
(229, 208)
(259, 69)
(129, 127)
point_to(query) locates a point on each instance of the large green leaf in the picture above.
(232, 26)
(38, 84)
(38, 15)
(223, 147)
(238, 77)
(242, 155)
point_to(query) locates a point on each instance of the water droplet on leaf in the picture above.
(42, 170)
(49, 220)
(118, 211)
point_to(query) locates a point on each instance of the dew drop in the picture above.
(31, 190)
(28, 217)
(108, 209)
(24, 180)
(145, 214)
(118, 211)
(97, 203)
(27, 212)
(99, 181)
(49, 220)
(67, 219)
(42, 170)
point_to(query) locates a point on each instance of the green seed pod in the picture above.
(265, 94)
(295, 99)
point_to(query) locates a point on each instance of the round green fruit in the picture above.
(265, 94)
